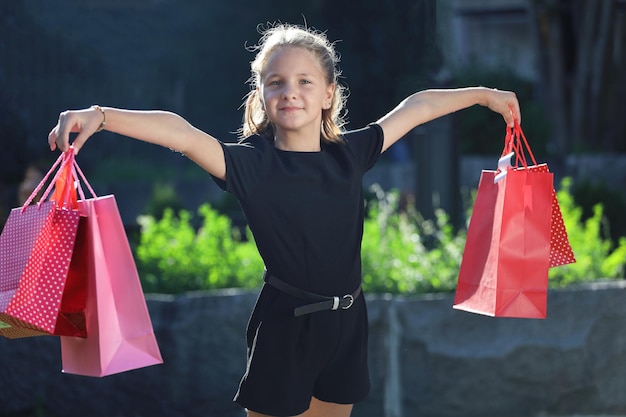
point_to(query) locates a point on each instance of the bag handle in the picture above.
(62, 160)
(76, 170)
(515, 141)
(66, 182)
(64, 186)
(515, 144)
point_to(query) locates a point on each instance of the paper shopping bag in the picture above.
(504, 269)
(120, 336)
(561, 252)
(41, 287)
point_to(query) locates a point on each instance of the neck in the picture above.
(298, 141)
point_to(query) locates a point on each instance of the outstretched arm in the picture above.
(157, 127)
(428, 105)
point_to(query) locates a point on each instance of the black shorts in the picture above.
(291, 359)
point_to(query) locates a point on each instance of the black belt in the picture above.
(319, 302)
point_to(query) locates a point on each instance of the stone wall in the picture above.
(426, 360)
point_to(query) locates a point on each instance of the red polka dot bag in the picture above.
(516, 233)
(561, 252)
(120, 336)
(42, 284)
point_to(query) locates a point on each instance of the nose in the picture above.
(289, 91)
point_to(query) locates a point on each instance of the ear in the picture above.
(330, 92)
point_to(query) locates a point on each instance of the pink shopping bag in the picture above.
(120, 336)
(41, 288)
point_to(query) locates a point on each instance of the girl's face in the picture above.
(294, 91)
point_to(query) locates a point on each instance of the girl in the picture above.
(298, 178)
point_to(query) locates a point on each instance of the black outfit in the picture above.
(305, 211)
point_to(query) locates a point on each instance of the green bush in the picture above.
(173, 257)
(402, 252)
(596, 255)
(588, 194)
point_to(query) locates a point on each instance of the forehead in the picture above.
(286, 59)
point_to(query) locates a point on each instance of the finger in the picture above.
(63, 132)
(518, 113)
(515, 114)
(52, 138)
(509, 119)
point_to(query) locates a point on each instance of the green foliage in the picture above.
(402, 251)
(596, 255)
(588, 194)
(173, 257)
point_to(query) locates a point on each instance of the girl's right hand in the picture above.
(85, 122)
(505, 103)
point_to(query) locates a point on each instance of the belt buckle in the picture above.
(350, 298)
(337, 302)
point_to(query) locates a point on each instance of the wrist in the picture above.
(484, 96)
(104, 117)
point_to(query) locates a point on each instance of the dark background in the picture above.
(190, 57)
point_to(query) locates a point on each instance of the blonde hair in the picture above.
(255, 120)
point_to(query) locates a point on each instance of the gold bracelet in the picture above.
(104, 117)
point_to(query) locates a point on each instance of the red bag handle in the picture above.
(515, 141)
(64, 190)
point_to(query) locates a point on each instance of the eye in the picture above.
(274, 83)
(305, 81)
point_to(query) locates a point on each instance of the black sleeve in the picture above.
(243, 160)
(366, 144)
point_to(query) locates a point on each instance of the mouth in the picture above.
(289, 109)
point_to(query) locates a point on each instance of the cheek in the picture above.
(267, 97)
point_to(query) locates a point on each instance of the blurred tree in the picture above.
(14, 158)
(388, 51)
(482, 132)
(582, 57)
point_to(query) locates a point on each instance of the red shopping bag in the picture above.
(41, 287)
(120, 336)
(504, 270)
(561, 252)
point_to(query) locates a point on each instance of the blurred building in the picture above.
(488, 33)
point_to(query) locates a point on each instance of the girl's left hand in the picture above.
(505, 103)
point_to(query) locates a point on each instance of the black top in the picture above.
(305, 209)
